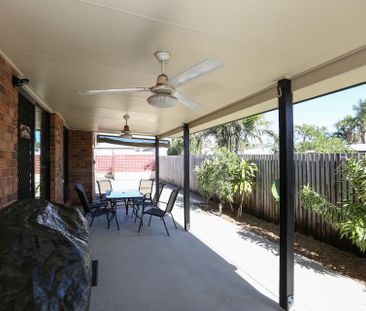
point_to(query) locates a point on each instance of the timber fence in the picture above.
(319, 171)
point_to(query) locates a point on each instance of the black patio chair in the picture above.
(158, 212)
(154, 197)
(146, 187)
(151, 202)
(104, 187)
(95, 209)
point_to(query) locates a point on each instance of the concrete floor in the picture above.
(215, 266)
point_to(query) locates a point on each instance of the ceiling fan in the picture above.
(164, 92)
(126, 133)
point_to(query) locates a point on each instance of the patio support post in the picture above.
(287, 181)
(187, 221)
(157, 168)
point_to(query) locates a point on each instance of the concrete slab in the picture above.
(216, 266)
(316, 288)
(151, 271)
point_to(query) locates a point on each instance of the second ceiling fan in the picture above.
(164, 92)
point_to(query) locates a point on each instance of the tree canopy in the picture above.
(254, 132)
(312, 138)
(353, 128)
(235, 136)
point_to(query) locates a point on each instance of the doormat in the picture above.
(94, 273)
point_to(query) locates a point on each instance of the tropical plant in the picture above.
(360, 120)
(224, 163)
(215, 176)
(349, 217)
(276, 191)
(176, 147)
(353, 128)
(345, 129)
(243, 180)
(195, 146)
(239, 135)
(205, 175)
(196, 143)
(224, 175)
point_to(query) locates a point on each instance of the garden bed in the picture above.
(328, 256)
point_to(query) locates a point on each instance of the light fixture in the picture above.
(126, 133)
(19, 82)
(162, 100)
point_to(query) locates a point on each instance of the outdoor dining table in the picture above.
(127, 196)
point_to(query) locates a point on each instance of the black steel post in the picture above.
(157, 179)
(287, 181)
(187, 221)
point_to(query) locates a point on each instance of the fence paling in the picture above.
(317, 170)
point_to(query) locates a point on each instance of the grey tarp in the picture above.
(45, 261)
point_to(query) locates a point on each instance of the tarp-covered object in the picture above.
(45, 261)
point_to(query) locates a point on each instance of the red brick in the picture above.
(57, 158)
(8, 135)
(81, 163)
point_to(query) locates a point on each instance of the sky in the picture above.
(38, 136)
(325, 110)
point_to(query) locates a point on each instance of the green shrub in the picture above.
(224, 175)
(244, 175)
(349, 217)
(276, 191)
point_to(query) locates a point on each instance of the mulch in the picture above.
(342, 262)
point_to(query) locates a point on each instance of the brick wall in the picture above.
(8, 136)
(57, 158)
(81, 166)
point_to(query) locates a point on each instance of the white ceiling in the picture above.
(65, 46)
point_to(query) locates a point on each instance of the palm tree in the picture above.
(360, 119)
(196, 143)
(353, 128)
(238, 135)
(346, 129)
(234, 136)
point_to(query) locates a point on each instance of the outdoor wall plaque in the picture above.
(25, 131)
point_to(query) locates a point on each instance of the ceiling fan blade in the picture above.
(187, 101)
(196, 71)
(115, 91)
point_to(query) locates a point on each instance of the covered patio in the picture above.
(267, 56)
(149, 271)
(215, 266)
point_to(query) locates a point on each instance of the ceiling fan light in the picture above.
(126, 134)
(162, 100)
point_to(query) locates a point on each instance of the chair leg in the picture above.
(150, 220)
(174, 221)
(140, 223)
(135, 208)
(126, 205)
(166, 229)
(92, 220)
(115, 216)
(108, 221)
